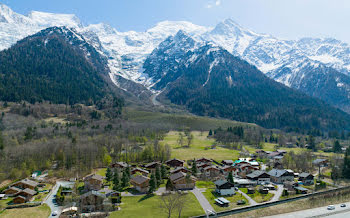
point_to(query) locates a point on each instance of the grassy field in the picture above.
(211, 196)
(205, 184)
(257, 196)
(42, 211)
(149, 207)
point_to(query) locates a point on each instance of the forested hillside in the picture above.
(55, 65)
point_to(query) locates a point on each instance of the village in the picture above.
(210, 185)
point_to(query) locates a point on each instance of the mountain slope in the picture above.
(208, 80)
(55, 65)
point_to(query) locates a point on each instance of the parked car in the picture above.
(343, 205)
(330, 207)
(55, 213)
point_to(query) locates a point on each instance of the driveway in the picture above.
(51, 198)
(251, 201)
(202, 200)
(277, 193)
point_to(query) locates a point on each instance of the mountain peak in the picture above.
(51, 19)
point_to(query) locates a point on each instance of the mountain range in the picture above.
(215, 71)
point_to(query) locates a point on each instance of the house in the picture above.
(94, 201)
(227, 162)
(109, 193)
(246, 169)
(19, 200)
(179, 169)
(152, 166)
(203, 160)
(320, 162)
(306, 178)
(301, 190)
(224, 187)
(201, 166)
(227, 169)
(211, 171)
(290, 185)
(12, 191)
(280, 176)
(259, 176)
(93, 182)
(27, 193)
(274, 154)
(175, 163)
(139, 170)
(119, 166)
(242, 183)
(182, 180)
(140, 183)
(26, 183)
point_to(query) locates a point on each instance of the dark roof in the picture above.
(29, 191)
(149, 165)
(94, 176)
(177, 176)
(123, 164)
(211, 167)
(28, 182)
(139, 179)
(14, 188)
(174, 159)
(304, 175)
(277, 172)
(178, 169)
(139, 169)
(256, 173)
(221, 182)
(93, 192)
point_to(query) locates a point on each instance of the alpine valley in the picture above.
(224, 71)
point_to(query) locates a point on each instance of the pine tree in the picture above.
(152, 184)
(1, 143)
(125, 179)
(194, 168)
(337, 147)
(230, 177)
(210, 133)
(116, 181)
(346, 166)
(158, 176)
(163, 171)
(108, 174)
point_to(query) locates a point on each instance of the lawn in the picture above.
(41, 195)
(42, 211)
(4, 203)
(211, 196)
(257, 196)
(149, 207)
(205, 184)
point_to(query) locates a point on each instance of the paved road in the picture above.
(278, 193)
(202, 200)
(317, 212)
(51, 199)
(251, 201)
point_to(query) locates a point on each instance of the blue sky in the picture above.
(283, 18)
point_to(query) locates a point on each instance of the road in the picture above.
(51, 198)
(202, 200)
(277, 193)
(318, 212)
(251, 201)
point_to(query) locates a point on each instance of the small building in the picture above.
(12, 191)
(301, 190)
(211, 171)
(306, 178)
(175, 163)
(140, 183)
(182, 180)
(201, 166)
(94, 201)
(242, 183)
(320, 162)
(227, 162)
(224, 187)
(152, 166)
(179, 169)
(119, 165)
(259, 176)
(109, 193)
(203, 160)
(19, 200)
(139, 170)
(222, 202)
(93, 182)
(27, 193)
(280, 176)
(26, 183)
(227, 169)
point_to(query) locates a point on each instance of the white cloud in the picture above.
(213, 3)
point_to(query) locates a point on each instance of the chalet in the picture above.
(26, 183)
(152, 166)
(139, 170)
(211, 171)
(246, 169)
(109, 193)
(179, 169)
(273, 154)
(182, 180)
(227, 169)
(201, 166)
(224, 187)
(93, 182)
(175, 163)
(19, 200)
(94, 201)
(12, 191)
(140, 183)
(320, 162)
(290, 185)
(306, 178)
(27, 193)
(119, 166)
(203, 160)
(227, 162)
(280, 176)
(259, 176)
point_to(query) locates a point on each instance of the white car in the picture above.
(55, 213)
(331, 207)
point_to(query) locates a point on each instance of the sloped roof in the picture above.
(174, 159)
(277, 172)
(304, 175)
(256, 173)
(29, 191)
(141, 170)
(93, 192)
(149, 165)
(178, 169)
(28, 182)
(176, 176)
(211, 167)
(139, 179)
(94, 176)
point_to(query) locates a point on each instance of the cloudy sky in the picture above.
(288, 19)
